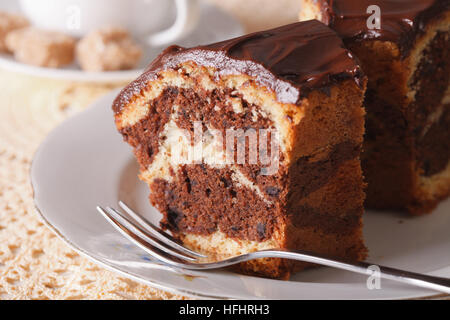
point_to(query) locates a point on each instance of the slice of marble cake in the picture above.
(406, 158)
(254, 143)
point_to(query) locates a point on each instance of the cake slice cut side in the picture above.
(304, 188)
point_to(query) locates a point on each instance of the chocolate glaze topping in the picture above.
(401, 20)
(291, 60)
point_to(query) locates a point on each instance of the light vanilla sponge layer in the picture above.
(435, 187)
(218, 246)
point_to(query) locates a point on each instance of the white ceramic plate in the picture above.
(214, 25)
(84, 163)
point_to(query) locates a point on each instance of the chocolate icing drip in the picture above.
(291, 60)
(401, 20)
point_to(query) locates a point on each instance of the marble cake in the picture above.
(292, 95)
(407, 61)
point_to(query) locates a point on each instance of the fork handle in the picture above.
(411, 278)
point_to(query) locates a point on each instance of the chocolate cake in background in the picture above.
(407, 143)
(298, 83)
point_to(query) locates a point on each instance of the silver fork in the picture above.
(164, 248)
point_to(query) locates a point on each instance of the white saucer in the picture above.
(214, 25)
(84, 163)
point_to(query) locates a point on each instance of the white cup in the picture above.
(143, 18)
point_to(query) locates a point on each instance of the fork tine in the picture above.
(157, 232)
(135, 232)
(152, 251)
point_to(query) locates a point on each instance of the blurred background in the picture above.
(258, 15)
